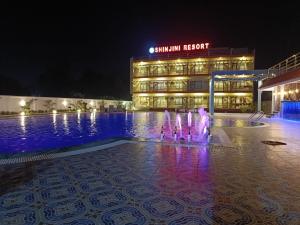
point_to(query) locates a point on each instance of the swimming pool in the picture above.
(42, 133)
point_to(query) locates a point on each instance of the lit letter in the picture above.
(197, 46)
(189, 47)
(166, 49)
(160, 49)
(206, 45)
(202, 46)
(156, 49)
(193, 46)
(185, 47)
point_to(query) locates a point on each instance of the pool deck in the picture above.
(241, 182)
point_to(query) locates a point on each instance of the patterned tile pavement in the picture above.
(151, 183)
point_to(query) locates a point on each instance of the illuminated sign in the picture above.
(178, 48)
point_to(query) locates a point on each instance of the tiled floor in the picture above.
(150, 183)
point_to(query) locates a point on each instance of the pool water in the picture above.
(42, 133)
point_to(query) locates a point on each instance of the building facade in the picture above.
(181, 80)
(284, 83)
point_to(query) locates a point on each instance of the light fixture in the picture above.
(92, 103)
(54, 111)
(22, 113)
(65, 103)
(296, 90)
(79, 110)
(22, 103)
(151, 50)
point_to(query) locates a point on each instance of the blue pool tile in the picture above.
(163, 207)
(66, 209)
(107, 199)
(19, 217)
(124, 215)
(16, 200)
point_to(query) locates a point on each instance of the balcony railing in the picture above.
(287, 65)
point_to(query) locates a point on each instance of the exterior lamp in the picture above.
(151, 50)
(92, 103)
(65, 103)
(78, 110)
(94, 110)
(297, 91)
(54, 111)
(22, 103)
(22, 113)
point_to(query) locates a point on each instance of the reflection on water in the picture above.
(61, 130)
(66, 126)
(23, 123)
(54, 122)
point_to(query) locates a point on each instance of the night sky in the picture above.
(101, 39)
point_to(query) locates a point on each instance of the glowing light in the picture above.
(22, 103)
(151, 50)
(161, 78)
(179, 48)
(54, 111)
(243, 58)
(65, 103)
(22, 113)
(92, 103)
(94, 110)
(297, 91)
(78, 110)
(290, 92)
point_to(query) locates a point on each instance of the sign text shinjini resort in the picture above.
(178, 48)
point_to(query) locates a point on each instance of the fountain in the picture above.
(178, 124)
(201, 127)
(167, 116)
(175, 133)
(162, 135)
(189, 126)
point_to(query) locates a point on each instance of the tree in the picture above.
(27, 107)
(49, 105)
(80, 105)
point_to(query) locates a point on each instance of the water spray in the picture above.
(189, 135)
(162, 133)
(175, 133)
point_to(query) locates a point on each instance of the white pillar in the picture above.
(211, 95)
(259, 100)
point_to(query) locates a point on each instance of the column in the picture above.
(274, 96)
(259, 100)
(211, 95)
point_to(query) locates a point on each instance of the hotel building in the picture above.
(284, 83)
(178, 78)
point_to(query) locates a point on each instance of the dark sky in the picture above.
(103, 38)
